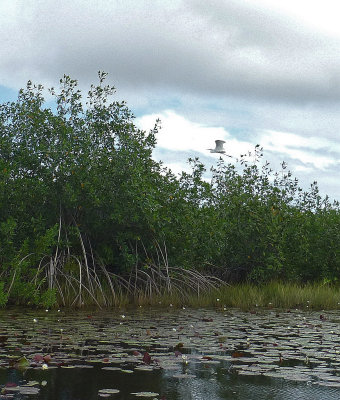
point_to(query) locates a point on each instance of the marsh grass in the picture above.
(152, 286)
(244, 296)
(314, 296)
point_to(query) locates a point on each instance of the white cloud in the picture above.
(316, 152)
(181, 134)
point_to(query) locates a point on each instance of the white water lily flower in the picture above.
(185, 359)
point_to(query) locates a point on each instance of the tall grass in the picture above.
(315, 296)
(85, 280)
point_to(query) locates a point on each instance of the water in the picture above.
(169, 354)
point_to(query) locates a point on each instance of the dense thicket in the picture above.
(78, 186)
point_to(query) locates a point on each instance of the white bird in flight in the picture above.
(219, 148)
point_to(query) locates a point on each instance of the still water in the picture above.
(169, 354)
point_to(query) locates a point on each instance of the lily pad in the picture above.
(145, 394)
(108, 391)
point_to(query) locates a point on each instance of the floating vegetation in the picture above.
(232, 347)
(108, 391)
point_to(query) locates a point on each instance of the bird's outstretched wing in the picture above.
(219, 146)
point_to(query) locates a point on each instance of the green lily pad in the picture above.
(108, 391)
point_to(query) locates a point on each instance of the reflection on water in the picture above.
(169, 354)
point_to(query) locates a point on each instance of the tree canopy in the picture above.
(79, 186)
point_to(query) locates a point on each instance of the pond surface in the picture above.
(169, 354)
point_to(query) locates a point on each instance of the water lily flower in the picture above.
(44, 366)
(185, 359)
(35, 320)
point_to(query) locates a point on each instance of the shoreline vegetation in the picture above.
(88, 217)
(245, 296)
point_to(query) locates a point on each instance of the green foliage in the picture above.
(3, 295)
(48, 298)
(24, 293)
(81, 198)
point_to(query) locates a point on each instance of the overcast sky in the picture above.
(246, 71)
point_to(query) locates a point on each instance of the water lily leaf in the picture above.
(29, 390)
(38, 358)
(184, 376)
(146, 358)
(238, 354)
(47, 358)
(145, 394)
(108, 391)
(22, 363)
(144, 368)
(32, 383)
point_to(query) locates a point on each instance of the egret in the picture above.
(219, 148)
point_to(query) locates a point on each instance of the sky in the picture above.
(245, 71)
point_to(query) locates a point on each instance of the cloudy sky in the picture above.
(247, 71)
